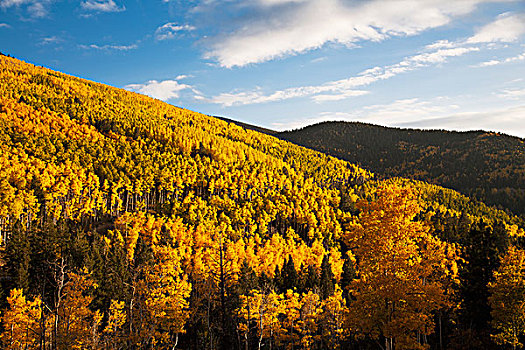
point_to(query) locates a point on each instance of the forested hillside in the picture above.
(486, 166)
(128, 223)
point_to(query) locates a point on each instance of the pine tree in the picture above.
(327, 285)
(311, 279)
(289, 275)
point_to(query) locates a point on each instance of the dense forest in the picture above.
(128, 223)
(483, 165)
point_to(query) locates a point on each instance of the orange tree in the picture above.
(401, 271)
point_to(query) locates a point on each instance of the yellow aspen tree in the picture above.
(167, 291)
(116, 319)
(21, 322)
(331, 321)
(263, 308)
(507, 299)
(289, 336)
(308, 323)
(78, 327)
(401, 273)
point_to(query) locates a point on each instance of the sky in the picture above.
(285, 64)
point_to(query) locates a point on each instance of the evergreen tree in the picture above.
(17, 256)
(311, 279)
(327, 284)
(289, 275)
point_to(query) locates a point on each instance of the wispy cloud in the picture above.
(408, 110)
(35, 8)
(319, 59)
(171, 30)
(344, 88)
(101, 6)
(339, 96)
(441, 44)
(50, 40)
(508, 27)
(4, 25)
(512, 94)
(162, 90)
(108, 47)
(495, 62)
(275, 30)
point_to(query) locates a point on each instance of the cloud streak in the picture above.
(108, 47)
(520, 57)
(512, 94)
(35, 8)
(162, 90)
(101, 6)
(170, 31)
(344, 88)
(301, 26)
(506, 28)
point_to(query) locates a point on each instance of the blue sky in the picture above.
(281, 64)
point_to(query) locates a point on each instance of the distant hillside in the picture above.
(487, 166)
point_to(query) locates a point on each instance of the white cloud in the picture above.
(11, 3)
(35, 8)
(407, 110)
(4, 25)
(162, 90)
(519, 57)
(101, 6)
(310, 24)
(512, 94)
(488, 63)
(441, 44)
(109, 47)
(51, 40)
(344, 88)
(170, 30)
(319, 59)
(338, 97)
(506, 28)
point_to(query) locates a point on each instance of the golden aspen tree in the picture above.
(263, 309)
(78, 326)
(21, 322)
(401, 271)
(331, 320)
(507, 299)
(116, 319)
(308, 323)
(166, 292)
(289, 336)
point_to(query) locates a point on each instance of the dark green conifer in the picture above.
(327, 285)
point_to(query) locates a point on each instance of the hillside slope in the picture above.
(487, 166)
(130, 223)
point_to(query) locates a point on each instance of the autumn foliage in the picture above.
(128, 223)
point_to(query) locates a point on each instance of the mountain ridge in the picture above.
(493, 173)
